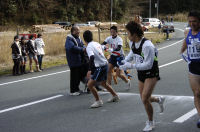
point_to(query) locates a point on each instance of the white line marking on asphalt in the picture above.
(175, 98)
(31, 103)
(171, 44)
(170, 63)
(186, 116)
(33, 78)
(67, 71)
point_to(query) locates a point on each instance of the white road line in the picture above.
(186, 116)
(31, 103)
(33, 78)
(67, 71)
(171, 45)
(170, 63)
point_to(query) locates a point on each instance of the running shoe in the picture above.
(113, 99)
(75, 94)
(198, 123)
(97, 104)
(129, 84)
(150, 125)
(161, 103)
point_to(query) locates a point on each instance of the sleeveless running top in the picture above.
(139, 52)
(193, 46)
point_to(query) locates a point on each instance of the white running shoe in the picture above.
(129, 84)
(97, 104)
(113, 99)
(161, 103)
(150, 125)
(75, 94)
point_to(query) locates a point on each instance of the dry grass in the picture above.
(181, 17)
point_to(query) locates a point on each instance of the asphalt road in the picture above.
(40, 102)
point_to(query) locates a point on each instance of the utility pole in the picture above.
(111, 5)
(149, 8)
(157, 7)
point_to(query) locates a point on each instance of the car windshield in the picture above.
(145, 20)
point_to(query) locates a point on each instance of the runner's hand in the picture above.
(110, 50)
(127, 65)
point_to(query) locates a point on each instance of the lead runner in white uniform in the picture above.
(192, 44)
(115, 43)
(98, 67)
(144, 54)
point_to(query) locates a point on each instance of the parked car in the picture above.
(151, 22)
(168, 25)
(92, 23)
(80, 24)
(64, 24)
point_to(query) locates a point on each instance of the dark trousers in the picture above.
(75, 77)
(40, 60)
(16, 66)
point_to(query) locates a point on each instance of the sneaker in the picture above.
(129, 84)
(113, 99)
(150, 125)
(75, 94)
(161, 102)
(97, 104)
(31, 71)
(198, 123)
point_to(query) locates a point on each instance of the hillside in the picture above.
(27, 12)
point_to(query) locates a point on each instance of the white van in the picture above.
(151, 22)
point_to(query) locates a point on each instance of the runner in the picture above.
(192, 44)
(117, 54)
(144, 54)
(98, 67)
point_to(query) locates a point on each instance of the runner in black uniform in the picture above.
(144, 54)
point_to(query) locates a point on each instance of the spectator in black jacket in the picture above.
(32, 53)
(16, 55)
(24, 55)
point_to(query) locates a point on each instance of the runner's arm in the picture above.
(184, 46)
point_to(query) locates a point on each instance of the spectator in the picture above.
(40, 51)
(74, 50)
(171, 18)
(167, 19)
(159, 28)
(24, 55)
(32, 53)
(16, 55)
(167, 33)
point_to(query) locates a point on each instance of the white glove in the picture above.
(123, 61)
(185, 57)
(110, 50)
(127, 65)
